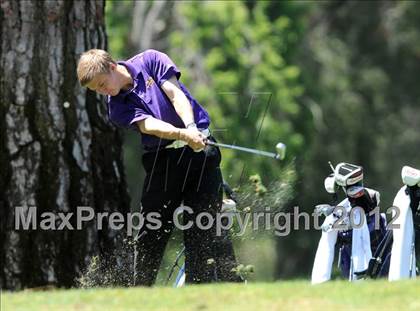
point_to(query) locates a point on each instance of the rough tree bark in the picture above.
(58, 151)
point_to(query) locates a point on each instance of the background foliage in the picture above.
(334, 80)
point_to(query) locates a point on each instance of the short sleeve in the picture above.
(137, 115)
(126, 115)
(160, 66)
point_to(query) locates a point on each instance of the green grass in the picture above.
(287, 295)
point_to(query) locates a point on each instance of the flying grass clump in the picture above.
(109, 270)
(255, 196)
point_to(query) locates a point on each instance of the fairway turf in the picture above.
(285, 295)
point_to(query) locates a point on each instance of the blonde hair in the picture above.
(92, 63)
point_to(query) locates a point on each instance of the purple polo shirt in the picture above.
(146, 99)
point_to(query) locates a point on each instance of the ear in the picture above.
(112, 66)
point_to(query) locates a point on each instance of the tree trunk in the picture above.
(58, 151)
(151, 25)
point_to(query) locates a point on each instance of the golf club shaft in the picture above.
(249, 150)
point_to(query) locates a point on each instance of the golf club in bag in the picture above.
(349, 178)
(381, 250)
(381, 258)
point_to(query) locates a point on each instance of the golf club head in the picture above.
(324, 209)
(281, 151)
(410, 176)
(329, 184)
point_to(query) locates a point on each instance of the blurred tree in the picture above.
(58, 151)
(135, 26)
(238, 56)
(360, 68)
(119, 14)
(151, 24)
(237, 67)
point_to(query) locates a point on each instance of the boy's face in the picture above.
(105, 83)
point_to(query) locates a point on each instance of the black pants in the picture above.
(181, 175)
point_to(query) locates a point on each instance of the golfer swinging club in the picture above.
(144, 94)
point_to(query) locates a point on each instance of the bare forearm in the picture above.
(159, 128)
(183, 109)
(178, 99)
(194, 138)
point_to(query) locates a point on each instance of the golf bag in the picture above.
(407, 236)
(380, 244)
(363, 249)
